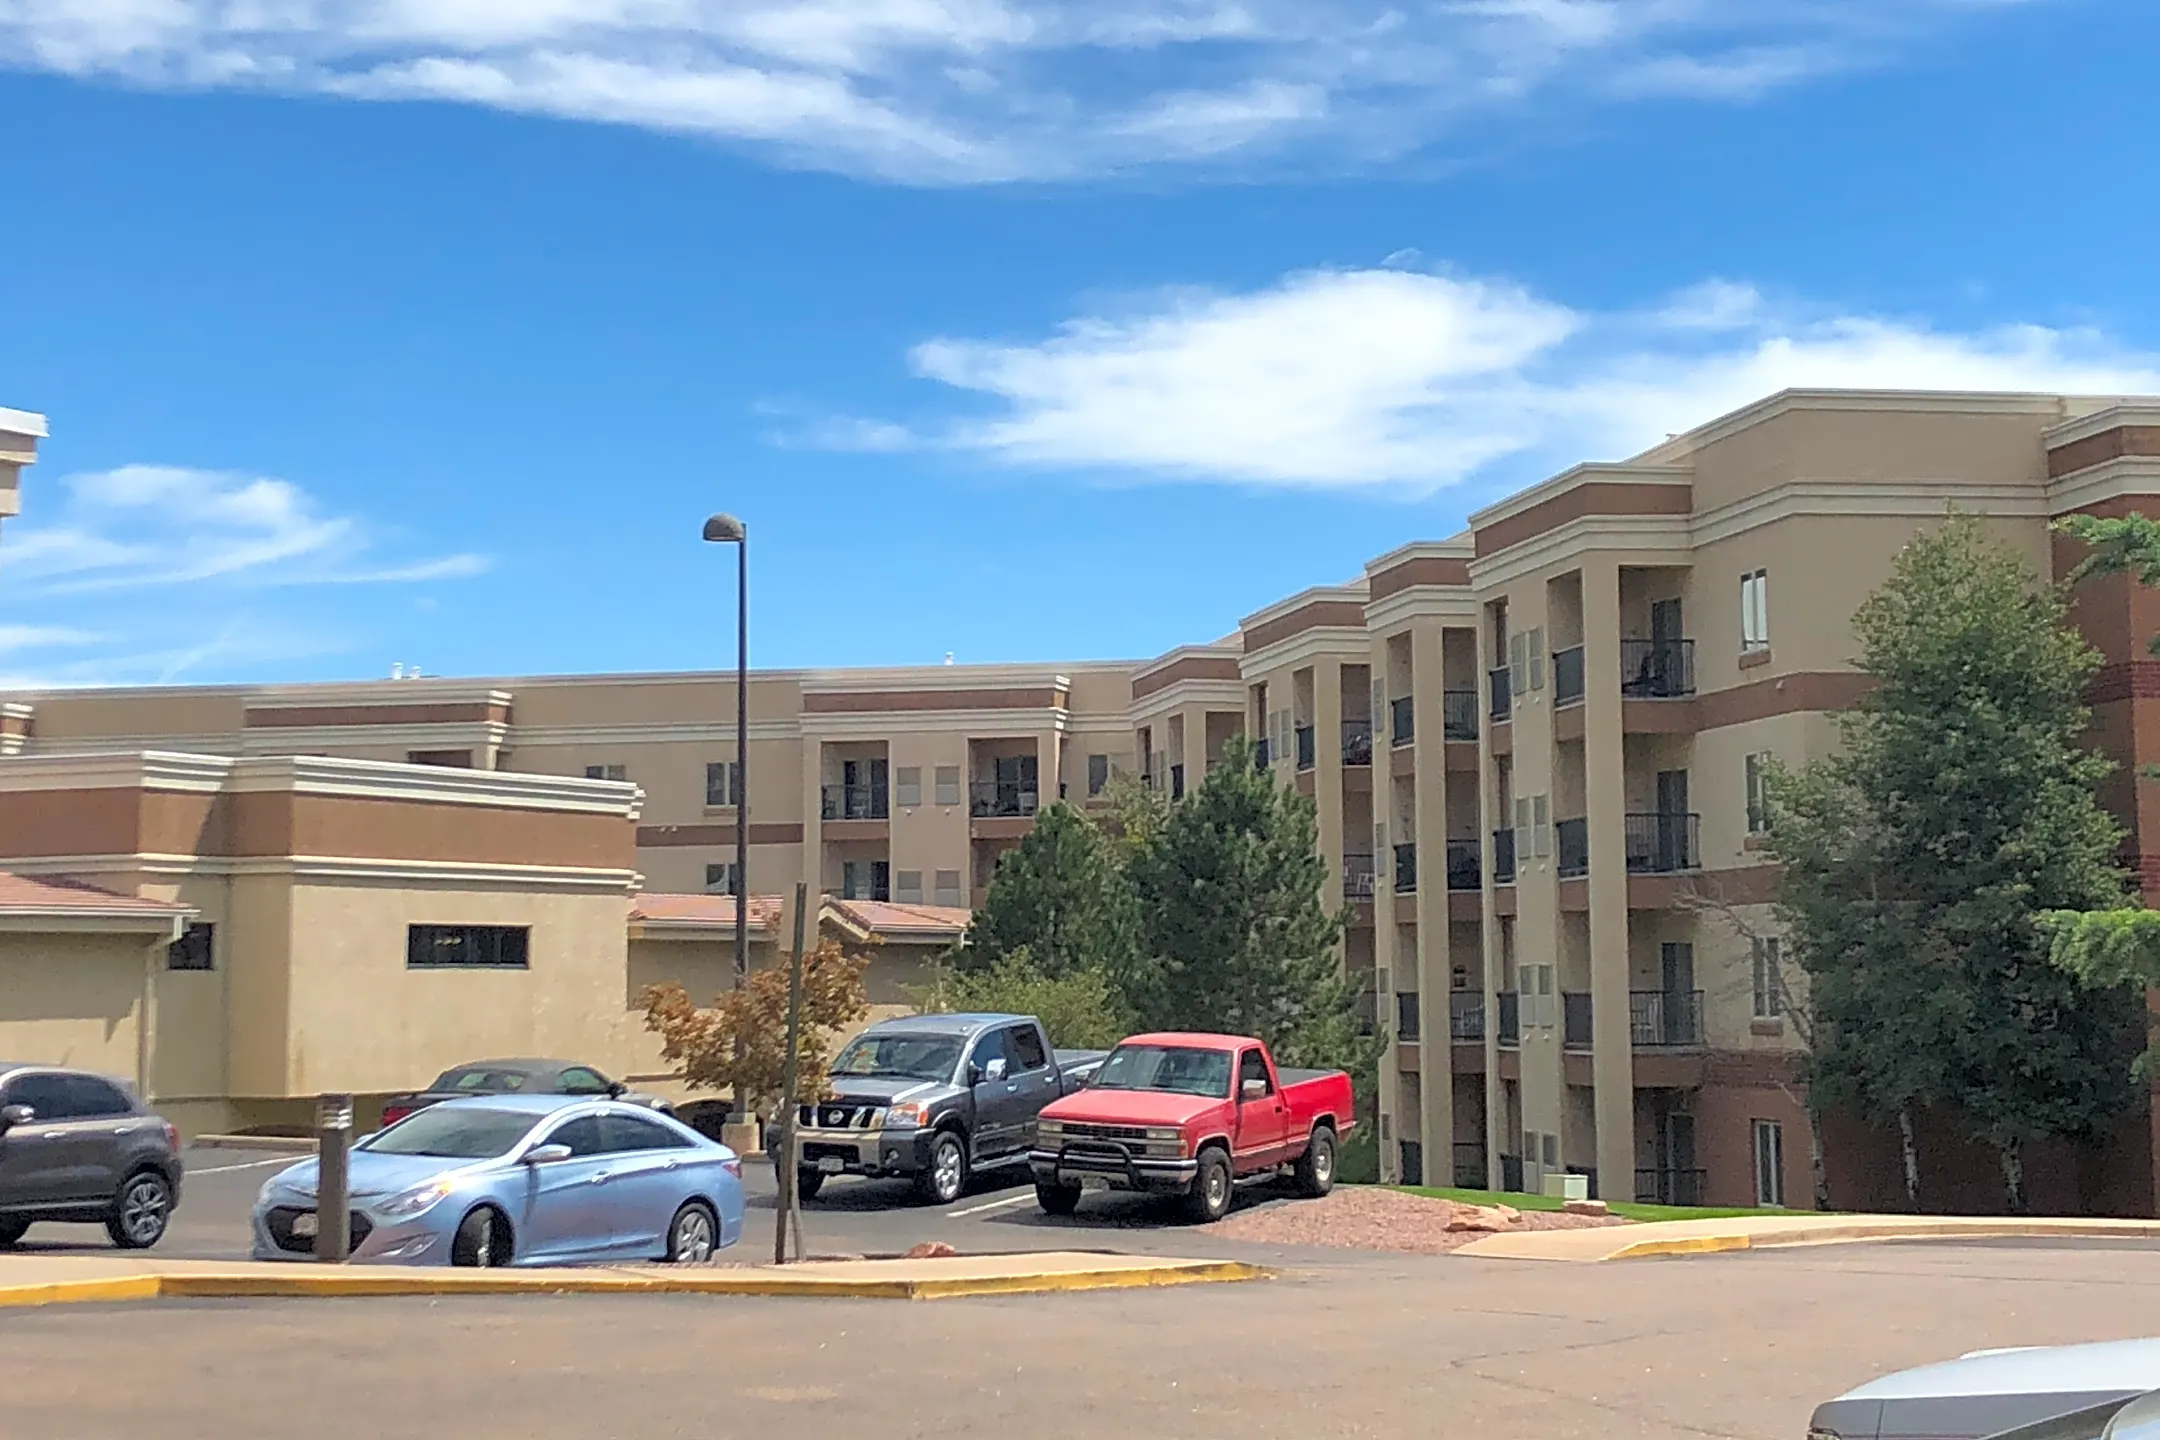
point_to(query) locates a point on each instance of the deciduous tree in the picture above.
(740, 1042)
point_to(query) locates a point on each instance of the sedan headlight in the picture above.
(908, 1115)
(413, 1201)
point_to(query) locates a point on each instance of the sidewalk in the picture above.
(1762, 1232)
(51, 1280)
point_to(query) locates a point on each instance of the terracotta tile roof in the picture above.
(58, 893)
(700, 912)
(896, 921)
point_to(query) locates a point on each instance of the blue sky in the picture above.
(379, 331)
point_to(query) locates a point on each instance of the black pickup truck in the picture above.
(933, 1098)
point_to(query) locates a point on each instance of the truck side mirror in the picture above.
(13, 1115)
(1254, 1089)
(995, 1071)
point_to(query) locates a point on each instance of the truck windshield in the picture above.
(1176, 1069)
(907, 1057)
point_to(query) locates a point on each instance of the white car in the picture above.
(2058, 1392)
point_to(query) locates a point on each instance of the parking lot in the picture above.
(1737, 1346)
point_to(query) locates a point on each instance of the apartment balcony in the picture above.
(1501, 697)
(1402, 720)
(1359, 877)
(1462, 865)
(1567, 676)
(1405, 869)
(1665, 1019)
(1357, 738)
(1663, 844)
(1466, 1015)
(1510, 1027)
(1666, 1186)
(1458, 714)
(1307, 749)
(1503, 857)
(1571, 848)
(999, 799)
(856, 802)
(1657, 669)
(1406, 1014)
(1575, 1027)
(1470, 1164)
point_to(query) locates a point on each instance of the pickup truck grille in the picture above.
(1105, 1132)
(838, 1115)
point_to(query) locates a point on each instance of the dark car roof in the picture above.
(529, 1066)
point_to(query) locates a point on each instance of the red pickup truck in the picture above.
(1190, 1115)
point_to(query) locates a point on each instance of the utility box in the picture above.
(1567, 1187)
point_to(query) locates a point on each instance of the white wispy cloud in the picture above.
(980, 90)
(1413, 380)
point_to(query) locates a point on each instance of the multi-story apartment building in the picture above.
(1534, 749)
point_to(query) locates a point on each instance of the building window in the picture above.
(194, 950)
(865, 880)
(948, 888)
(607, 772)
(907, 886)
(948, 784)
(1755, 610)
(446, 759)
(467, 947)
(1769, 983)
(723, 787)
(720, 878)
(1758, 799)
(907, 786)
(1098, 773)
(1769, 1163)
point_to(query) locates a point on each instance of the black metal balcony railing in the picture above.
(1402, 720)
(856, 802)
(1669, 1187)
(1462, 865)
(1470, 1164)
(1503, 857)
(1177, 782)
(1458, 714)
(1262, 757)
(1406, 869)
(1571, 848)
(1368, 1013)
(1575, 1019)
(1358, 877)
(1665, 1019)
(1657, 669)
(1306, 750)
(1511, 1174)
(1663, 844)
(1406, 1014)
(1502, 698)
(1567, 676)
(998, 797)
(1357, 742)
(1510, 1032)
(1466, 1015)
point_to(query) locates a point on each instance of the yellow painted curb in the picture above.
(357, 1284)
(1690, 1245)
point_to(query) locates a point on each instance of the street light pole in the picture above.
(727, 530)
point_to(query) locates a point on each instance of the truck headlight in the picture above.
(1161, 1132)
(908, 1115)
(1050, 1129)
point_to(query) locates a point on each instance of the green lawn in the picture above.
(1545, 1202)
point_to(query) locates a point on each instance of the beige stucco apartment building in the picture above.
(1531, 745)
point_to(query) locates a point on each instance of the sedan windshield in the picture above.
(480, 1080)
(454, 1132)
(905, 1057)
(1174, 1069)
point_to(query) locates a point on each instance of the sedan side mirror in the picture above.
(616, 1090)
(1254, 1090)
(13, 1115)
(547, 1154)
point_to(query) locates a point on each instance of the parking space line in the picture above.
(244, 1165)
(1004, 1204)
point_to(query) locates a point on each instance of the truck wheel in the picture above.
(1316, 1167)
(808, 1183)
(1209, 1198)
(1057, 1199)
(941, 1181)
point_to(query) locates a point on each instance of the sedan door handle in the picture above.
(595, 1180)
(53, 1135)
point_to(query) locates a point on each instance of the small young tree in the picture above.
(1061, 896)
(740, 1043)
(1082, 1009)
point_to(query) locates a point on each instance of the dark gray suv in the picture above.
(77, 1147)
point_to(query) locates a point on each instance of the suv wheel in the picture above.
(141, 1212)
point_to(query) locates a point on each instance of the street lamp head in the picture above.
(725, 530)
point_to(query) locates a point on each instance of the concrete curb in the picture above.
(1707, 1237)
(851, 1281)
(281, 1144)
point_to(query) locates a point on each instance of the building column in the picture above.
(1049, 766)
(1434, 958)
(1612, 1055)
(813, 812)
(1490, 818)
(1327, 773)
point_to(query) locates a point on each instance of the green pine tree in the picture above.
(1060, 895)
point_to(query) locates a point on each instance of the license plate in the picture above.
(303, 1224)
(831, 1165)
